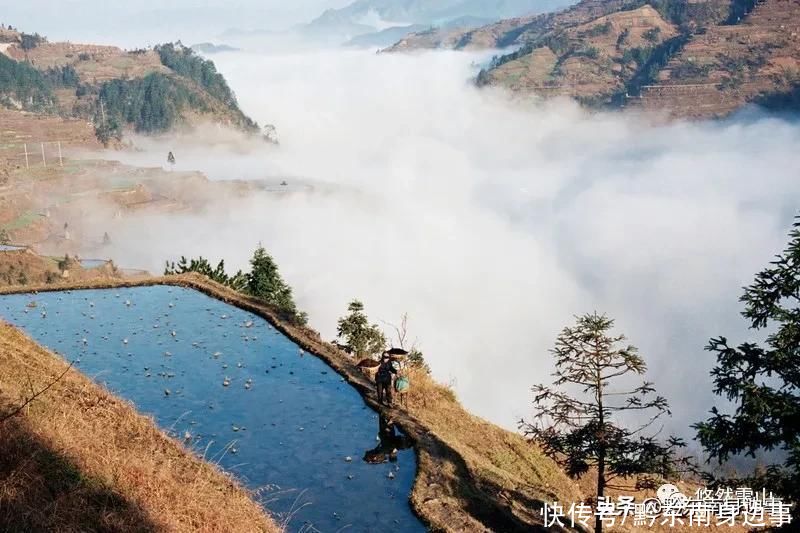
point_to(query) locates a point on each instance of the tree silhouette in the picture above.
(763, 381)
(578, 416)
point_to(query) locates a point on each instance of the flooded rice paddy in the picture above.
(94, 263)
(241, 394)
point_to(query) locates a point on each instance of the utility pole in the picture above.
(27, 166)
(44, 160)
(60, 160)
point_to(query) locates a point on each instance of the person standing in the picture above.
(383, 379)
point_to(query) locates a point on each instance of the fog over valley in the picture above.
(491, 220)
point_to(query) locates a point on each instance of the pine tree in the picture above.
(763, 380)
(364, 340)
(201, 265)
(578, 416)
(264, 281)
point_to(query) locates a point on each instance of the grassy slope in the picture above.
(80, 459)
(38, 268)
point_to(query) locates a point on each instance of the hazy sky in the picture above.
(148, 21)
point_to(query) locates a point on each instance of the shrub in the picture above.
(652, 35)
(597, 30)
(31, 41)
(623, 37)
(65, 76)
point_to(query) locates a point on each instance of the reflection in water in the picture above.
(390, 442)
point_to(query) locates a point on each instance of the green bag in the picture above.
(401, 384)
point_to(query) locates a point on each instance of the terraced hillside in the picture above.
(148, 90)
(591, 61)
(727, 66)
(690, 58)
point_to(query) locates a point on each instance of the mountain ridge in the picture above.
(363, 17)
(693, 59)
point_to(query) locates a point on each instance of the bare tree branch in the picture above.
(33, 397)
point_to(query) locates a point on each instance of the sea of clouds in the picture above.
(490, 220)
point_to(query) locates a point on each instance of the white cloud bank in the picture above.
(492, 222)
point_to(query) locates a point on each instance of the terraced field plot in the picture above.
(238, 392)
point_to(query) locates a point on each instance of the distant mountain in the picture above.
(211, 48)
(380, 39)
(510, 32)
(364, 17)
(389, 36)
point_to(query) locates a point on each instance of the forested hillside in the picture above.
(147, 91)
(23, 86)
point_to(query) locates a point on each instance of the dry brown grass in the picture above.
(93, 63)
(80, 459)
(502, 464)
(39, 270)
